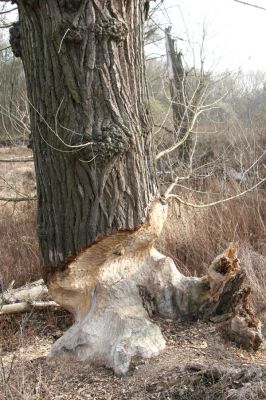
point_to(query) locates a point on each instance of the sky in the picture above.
(235, 33)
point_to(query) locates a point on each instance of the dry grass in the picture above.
(193, 237)
(18, 242)
(18, 246)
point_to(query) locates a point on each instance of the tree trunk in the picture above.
(90, 121)
(99, 213)
(179, 97)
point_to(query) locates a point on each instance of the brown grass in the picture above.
(193, 237)
(18, 245)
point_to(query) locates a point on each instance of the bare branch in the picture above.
(249, 4)
(5, 48)
(164, 127)
(8, 11)
(13, 188)
(26, 307)
(214, 203)
(17, 199)
(178, 144)
(6, 26)
(22, 159)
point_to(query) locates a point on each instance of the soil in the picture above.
(193, 365)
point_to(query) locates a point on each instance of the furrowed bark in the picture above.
(83, 63)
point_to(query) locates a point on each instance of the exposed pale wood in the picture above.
(129, 281)
(16, 308)
(34, 291)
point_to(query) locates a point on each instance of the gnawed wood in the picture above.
(115, 286)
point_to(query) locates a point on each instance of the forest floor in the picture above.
(16, 178)
(197, 363)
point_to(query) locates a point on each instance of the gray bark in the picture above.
(83, 64)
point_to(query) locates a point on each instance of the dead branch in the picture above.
(17, 159)
(8, 11)
(26, 307)
(6, 26)
(17, 199)
(34, 291)
(214, 203)
(5, 48)
(249, 4)
(31, 296)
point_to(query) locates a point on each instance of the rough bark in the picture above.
(83, 64)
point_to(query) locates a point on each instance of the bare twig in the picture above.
(61, 42)
(164, 127)
(8, 11)
(6, 26)
(18, 159)
(26, 307)
(249, 4)
(17, 199)
(214, 203)
(5, 48)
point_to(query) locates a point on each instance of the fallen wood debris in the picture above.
(26, 298)
(26, 307)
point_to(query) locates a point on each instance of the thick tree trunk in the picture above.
(90, 121)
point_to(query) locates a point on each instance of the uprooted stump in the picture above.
(114, 287)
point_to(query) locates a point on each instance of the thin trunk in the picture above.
(179, 97)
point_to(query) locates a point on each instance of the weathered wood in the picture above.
(129, 281)
(34, 291)
(17, 308)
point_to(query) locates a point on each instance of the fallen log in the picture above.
(34, 291)
(16, 308)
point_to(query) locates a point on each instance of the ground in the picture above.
(186, 369)
(16, 177)
(198, 363)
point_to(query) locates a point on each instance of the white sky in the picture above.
(236, 34)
